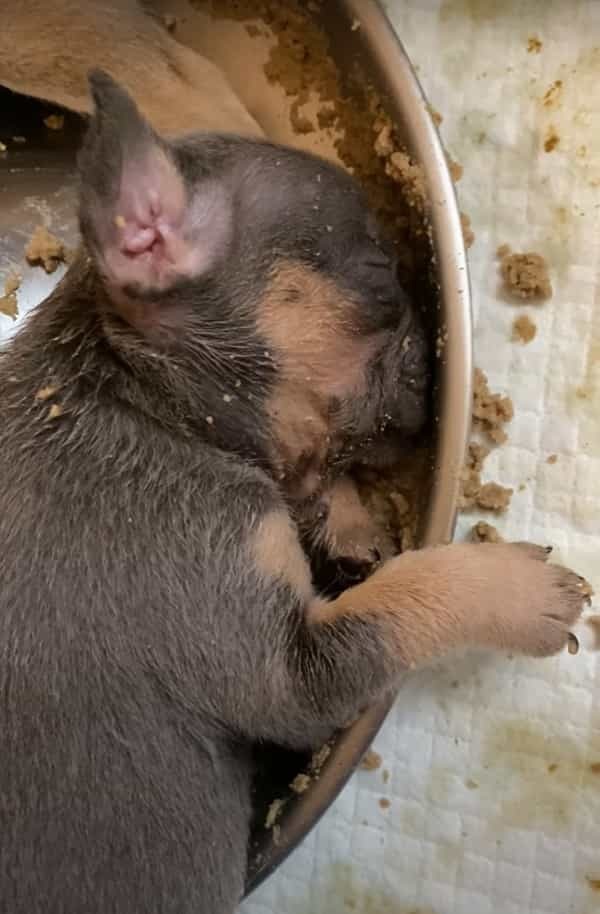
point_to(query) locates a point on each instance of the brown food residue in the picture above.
(8, 302)
(372, 761)
(489, 496)
(523, 329)
(55, 121)
(595, 768)
(534, 45)
(435, 115)
(384, 804)
(468, 233)
(494, 497)
(45, 249)
(46, 393)
(485, 533)
(526, 275)
(594, 883)
(551, 140)
(471, 475)
(553, 94)
(300, 122)
(55, 411)
(552, 459)
(273, 813)
(455, 168)
(491, 411)
(300, 784)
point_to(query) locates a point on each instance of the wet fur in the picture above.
(157, 611)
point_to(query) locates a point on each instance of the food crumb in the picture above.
(468, 233)
(274, 812)
(489, 496)
(300, 784)
(526, 275)
(300, 122)
(45, 249)
(45, 393)
(455, 168)
(372, 761)
(55, 411)
(552, 768)
(319, 759)
(485, 533)
(8, 302)
(552, 459)
(384, 803)
(491, 411)
(436, 117)
(55, 121)
(523, 330)
(551, 140)
(471, 475)
(593, 883)
(470, 784)
(552, 95)
(534, 45)
(494, 497)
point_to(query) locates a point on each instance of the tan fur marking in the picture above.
(496, 596)
(350, 531)
(310, 326)
(310, 329)
(278, 553)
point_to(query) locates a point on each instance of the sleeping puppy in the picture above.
(165, 415)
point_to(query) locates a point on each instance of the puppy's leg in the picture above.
(327, 660)
(341, 537)
(48, 49)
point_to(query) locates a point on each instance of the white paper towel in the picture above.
(494, 803)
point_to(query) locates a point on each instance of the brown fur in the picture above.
(178, 90)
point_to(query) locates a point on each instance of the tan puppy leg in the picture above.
(496, 596)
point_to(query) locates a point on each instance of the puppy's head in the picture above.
(260, 263)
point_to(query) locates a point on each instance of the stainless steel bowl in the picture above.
(37, 184)
(375, 48)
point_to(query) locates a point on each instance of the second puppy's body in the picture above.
(157, 613)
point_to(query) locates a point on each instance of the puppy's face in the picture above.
(260, 265)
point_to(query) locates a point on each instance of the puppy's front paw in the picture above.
(532, 605)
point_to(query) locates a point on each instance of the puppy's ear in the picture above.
(146, 228)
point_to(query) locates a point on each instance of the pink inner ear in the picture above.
(146, 244)
(155, 235)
